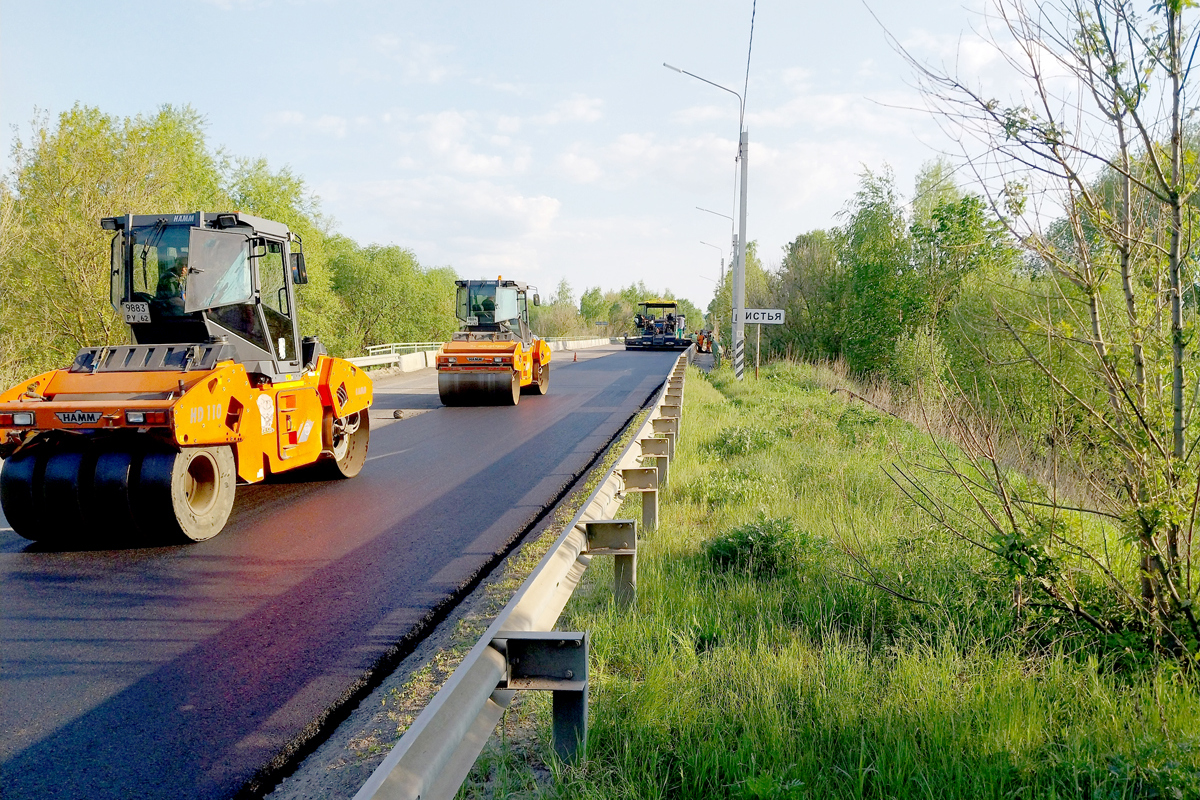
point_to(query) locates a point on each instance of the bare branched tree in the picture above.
(1091, 167)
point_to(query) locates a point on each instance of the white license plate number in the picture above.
(136, 313)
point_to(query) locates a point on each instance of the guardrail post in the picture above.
(644, 480)
(672, 407)
(668, 426)
(618, 538)
(553, 661)
(658, 449)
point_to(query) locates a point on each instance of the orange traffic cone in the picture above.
(576, 356)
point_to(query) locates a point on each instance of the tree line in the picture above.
(598, 312)
(73, 170)
(1048, 318)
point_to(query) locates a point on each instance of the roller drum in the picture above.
(541, 382)
(479, 388)
(349, 439)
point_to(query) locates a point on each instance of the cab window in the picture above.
(272, 283)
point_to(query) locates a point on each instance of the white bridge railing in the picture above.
(410, 356)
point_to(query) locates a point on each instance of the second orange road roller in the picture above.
(494, 357)
(146, 442)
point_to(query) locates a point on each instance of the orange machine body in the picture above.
(272, 427)
(469, 356)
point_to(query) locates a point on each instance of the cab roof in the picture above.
(199, 219)
(520, 287)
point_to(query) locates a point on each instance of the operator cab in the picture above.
(659, 318)
(201, 278)
(493, 311)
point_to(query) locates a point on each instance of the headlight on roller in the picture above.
(17, 419)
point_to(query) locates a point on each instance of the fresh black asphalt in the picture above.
(184, 671)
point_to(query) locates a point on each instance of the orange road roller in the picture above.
(494, 357)
(146, 442)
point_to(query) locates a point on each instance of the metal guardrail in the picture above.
(437, 752)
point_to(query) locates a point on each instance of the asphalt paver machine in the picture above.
(659, 327)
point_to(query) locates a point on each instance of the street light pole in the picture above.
(717, 307)
(739, 281)
(722, 252)
(732, 235)
(739, 264)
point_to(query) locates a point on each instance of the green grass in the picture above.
(753, 667)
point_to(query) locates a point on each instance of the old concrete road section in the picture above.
(182, 672)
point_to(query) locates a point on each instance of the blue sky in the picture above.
(532, 139)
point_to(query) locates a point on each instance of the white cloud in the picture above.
(420, 62)
(332, 125)
(293, 124)
(449, 136)
(578, 169)
(576, 108)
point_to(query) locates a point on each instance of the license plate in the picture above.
(136, 313)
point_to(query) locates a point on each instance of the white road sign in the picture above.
(764, 316)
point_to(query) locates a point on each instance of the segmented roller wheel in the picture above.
(350, 437)
(542, 384)
(66, 494)
(113, 484)
(185, 495)
(19, 491)
(46, 493)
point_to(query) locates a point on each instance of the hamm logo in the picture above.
(79, 417)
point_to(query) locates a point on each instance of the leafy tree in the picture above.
(67, 177)
(592, 306)
(875, 249)
(85, 165)
(758, 293)
(813, 288)
(1108, 328)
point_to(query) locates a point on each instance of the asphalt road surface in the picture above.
(181, 672)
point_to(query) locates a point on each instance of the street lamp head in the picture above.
(668, 66)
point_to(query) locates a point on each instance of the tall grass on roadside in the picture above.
(758, 664)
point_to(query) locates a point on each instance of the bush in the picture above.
(730, 486)
(763, 548)
(739, 441)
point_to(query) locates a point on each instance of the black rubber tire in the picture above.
(113, 485)
(185, 495)
(20, 489)
(351, 461)
(66, 494)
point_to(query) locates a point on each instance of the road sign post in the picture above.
(759, 317)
